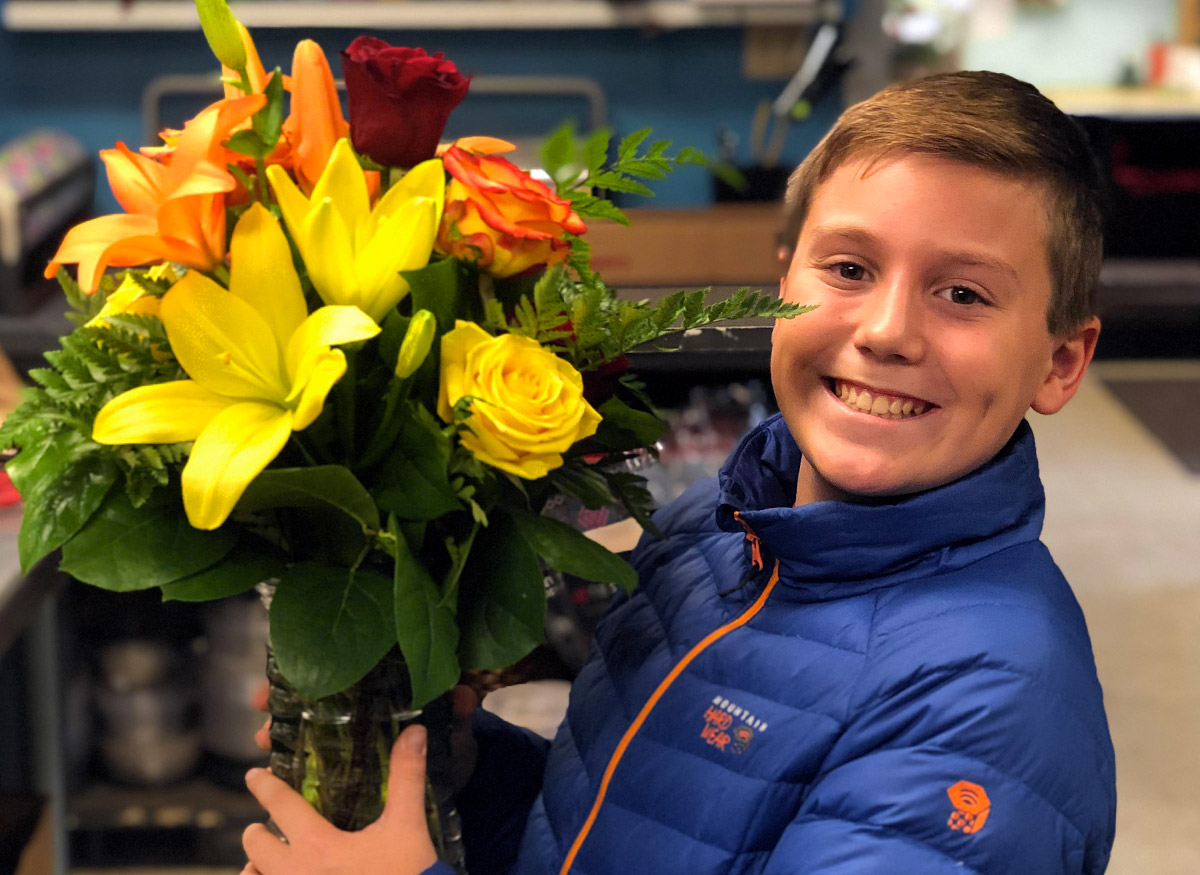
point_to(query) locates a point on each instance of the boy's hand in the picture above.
(464, 752)
(398, 843)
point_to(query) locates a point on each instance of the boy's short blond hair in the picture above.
(992, 121)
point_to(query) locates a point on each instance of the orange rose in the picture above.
(500, 217)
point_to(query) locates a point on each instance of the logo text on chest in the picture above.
(729, 727)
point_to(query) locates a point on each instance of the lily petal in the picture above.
(232, 450)
(331, 260)
(262, 273)
(316, 122)
(426, 180)
(320, 372)
(326, 327)
(404, 242)
(86, 243)
(163, 413)
(222, 342)
(343, 182)
(292, 203)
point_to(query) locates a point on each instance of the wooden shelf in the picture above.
(1126, 102)
(115, 15)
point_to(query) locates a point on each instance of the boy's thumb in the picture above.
(406, 778)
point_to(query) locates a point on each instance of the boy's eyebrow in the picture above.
(864, 237)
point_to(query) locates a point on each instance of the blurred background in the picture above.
(126, 724)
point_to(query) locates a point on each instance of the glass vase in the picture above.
(335, 751)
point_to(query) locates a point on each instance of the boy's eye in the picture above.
(963, 295)
(848, 270)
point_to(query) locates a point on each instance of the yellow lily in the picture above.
(130, 297)
(260, 368)
(354, 253)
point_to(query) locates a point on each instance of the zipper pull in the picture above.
(755, 549)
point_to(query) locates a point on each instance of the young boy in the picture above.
(851, 654)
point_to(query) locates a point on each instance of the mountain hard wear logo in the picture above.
(729, 727)
(971, 807)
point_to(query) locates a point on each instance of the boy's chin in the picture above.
(882, 485)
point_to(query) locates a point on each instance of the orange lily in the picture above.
(175, 210)
(254, 69)
(316, 122)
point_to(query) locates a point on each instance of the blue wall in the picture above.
(684, 84)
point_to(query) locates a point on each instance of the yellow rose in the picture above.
(528, 406)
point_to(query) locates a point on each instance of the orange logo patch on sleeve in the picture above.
(971, 807)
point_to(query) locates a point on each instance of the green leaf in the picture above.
(221, 31)
(581, 480)
(248, 142)
(251, 561)
(413, 481)
(125, 548)
(502, 599)
(330, 626)
(268, 121)
(592, 207)
(64, 482)
(332, 485)
(441, 287)
(558, 149)
(595, 151)
(627, 428)
(568, 550)
(425, 625)
(629, 145)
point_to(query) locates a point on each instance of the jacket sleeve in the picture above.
(495, 803)
(973, 767)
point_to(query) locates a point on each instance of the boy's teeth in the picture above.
(878, 405)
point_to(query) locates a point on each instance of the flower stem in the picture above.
(344, 399)
(264, 193)
(385, 434)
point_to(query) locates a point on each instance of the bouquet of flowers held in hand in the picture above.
(349, 359)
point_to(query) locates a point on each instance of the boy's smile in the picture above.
(930, 342)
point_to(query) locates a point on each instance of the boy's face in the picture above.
(933, 283)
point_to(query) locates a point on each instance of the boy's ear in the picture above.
(1068, 364)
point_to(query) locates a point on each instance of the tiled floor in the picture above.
(1123, 521)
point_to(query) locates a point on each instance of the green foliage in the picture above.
(324, 485)
(413, 481)
(569, 550)
(250, 561)
(502, 600)
(330, 626)
(426, 625)
(123, 548)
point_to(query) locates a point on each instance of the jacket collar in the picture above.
(994, 507)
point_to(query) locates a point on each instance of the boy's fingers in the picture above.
(263, 736)
(268, 855)
(286, 807)
(260, 696)
(406, 778)
(464, 701)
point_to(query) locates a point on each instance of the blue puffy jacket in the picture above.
(904, 687)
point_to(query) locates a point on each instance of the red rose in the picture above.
(399, 100)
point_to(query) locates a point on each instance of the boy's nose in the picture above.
(889, 324)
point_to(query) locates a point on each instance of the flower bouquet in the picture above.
(351, 363)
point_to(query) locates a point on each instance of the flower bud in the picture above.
(416, 344)
(221, 30)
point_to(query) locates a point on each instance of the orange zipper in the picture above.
(755, 548)
(700, 647)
